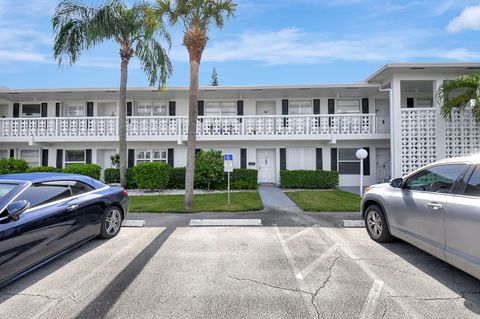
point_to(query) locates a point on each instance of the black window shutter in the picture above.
(16, 109)
(331, 106)
(59, 158)
(201, 108)
(197, 150)
(12, 153)
(171, 159)
(410, 102)
(319, 158)
(57, 109)
(243, 158)
(284, 107)
(89, 109)
(88, 156)
(239, 107)
(129, 109)
(333, 159)
(316, 106)
(283, 159)
(172, 108)
(44, 157)
(366, 163)
(131, 158)
(365, 106)
(44, 110)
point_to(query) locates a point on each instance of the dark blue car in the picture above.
(43, 215)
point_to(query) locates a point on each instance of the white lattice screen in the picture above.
(462, 134)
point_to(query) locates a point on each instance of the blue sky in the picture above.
(269, 42)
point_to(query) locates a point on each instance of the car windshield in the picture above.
(5, 189)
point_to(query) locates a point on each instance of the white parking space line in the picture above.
(286, 251)
(133, 223)
(353, 223)
(371, 301)
(300, 233)
(226, 222)
(312, 266)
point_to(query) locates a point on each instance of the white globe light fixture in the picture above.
(361, 154)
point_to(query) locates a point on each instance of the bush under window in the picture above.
(209, 170)
(42, 169)
(92, 170)
(309, 179)
(112, 176)
(152, 176)
(12, 166)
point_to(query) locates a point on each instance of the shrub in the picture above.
(92, 170)
(177, 178)
(209, 170)
(112, 176)
(152, 176)
(308, 179)
(46, 169)
(12, 166)
(242, 178)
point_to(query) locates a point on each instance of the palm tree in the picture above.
(196, 17)
(460, 93)
(79, 27)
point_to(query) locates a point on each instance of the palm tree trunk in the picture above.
(122, 122)
(192, 133)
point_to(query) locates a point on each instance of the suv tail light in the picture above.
(125, 192)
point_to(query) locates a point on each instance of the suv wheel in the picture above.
(376, 224)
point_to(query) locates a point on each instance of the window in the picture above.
(473, 185)
(4, 154)
(79, 188)
(348, 106)
(31, 110)
(424, 103)
(220, 108)
(5, 189)
(74, 157)
(74, 109)
(32, 157)
(299, 107)
(151, 109)
(348, 163)
(145, 156)
(438, 179)
(44, 193)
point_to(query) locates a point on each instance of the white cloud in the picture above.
(293, 46)
(469, 19)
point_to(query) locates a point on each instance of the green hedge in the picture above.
(308, 179)
(209, 170)
(42, 169)
(242, 178)
(152, 176)
(177, 178)
(112, 176)
(92, 170)
(12, 166)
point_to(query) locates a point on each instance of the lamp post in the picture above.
(361, 154)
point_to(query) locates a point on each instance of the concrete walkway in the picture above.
(274, 199)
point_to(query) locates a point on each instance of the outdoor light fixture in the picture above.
(361, 154)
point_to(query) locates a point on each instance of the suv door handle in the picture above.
(435, 206)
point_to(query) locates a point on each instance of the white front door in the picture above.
(382, 116)
(266, 166)
(107, 158)
(383, 165)
(266, 107)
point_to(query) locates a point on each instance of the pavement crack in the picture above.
(8, 293)
(385, 308)
(270, 285)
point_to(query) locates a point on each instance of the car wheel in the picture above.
(111, 223)
(376, 224)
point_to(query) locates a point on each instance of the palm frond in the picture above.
(458, 93)
(153, 60)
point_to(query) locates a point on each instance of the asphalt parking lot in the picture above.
(286, 270)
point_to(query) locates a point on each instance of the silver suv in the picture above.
(436, 208)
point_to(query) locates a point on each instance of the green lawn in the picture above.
(326, 201)
(240, 202)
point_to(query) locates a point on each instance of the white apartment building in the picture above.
(394, 114)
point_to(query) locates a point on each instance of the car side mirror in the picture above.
(15, 209)
(397, 182)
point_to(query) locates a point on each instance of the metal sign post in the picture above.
(228, 168)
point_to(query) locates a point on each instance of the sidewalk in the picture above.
(274, 199)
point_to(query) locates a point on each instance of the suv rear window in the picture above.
(473, 185)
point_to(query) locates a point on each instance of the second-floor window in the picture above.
(300, 107)
(215, 108)
(146, 156)
(31, 110)
(151, 109)
(74, 109)
(351, 106)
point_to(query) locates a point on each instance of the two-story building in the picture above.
(394, 114)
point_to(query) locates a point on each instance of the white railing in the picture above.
(248, 125)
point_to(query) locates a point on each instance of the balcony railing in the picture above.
(249, 125)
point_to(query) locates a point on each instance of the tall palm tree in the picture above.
(196, 17)
(79, 27)
(460, 93)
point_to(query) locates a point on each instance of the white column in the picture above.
(396, 128)
(440, 128)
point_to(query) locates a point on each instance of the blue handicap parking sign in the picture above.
(228, 157)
